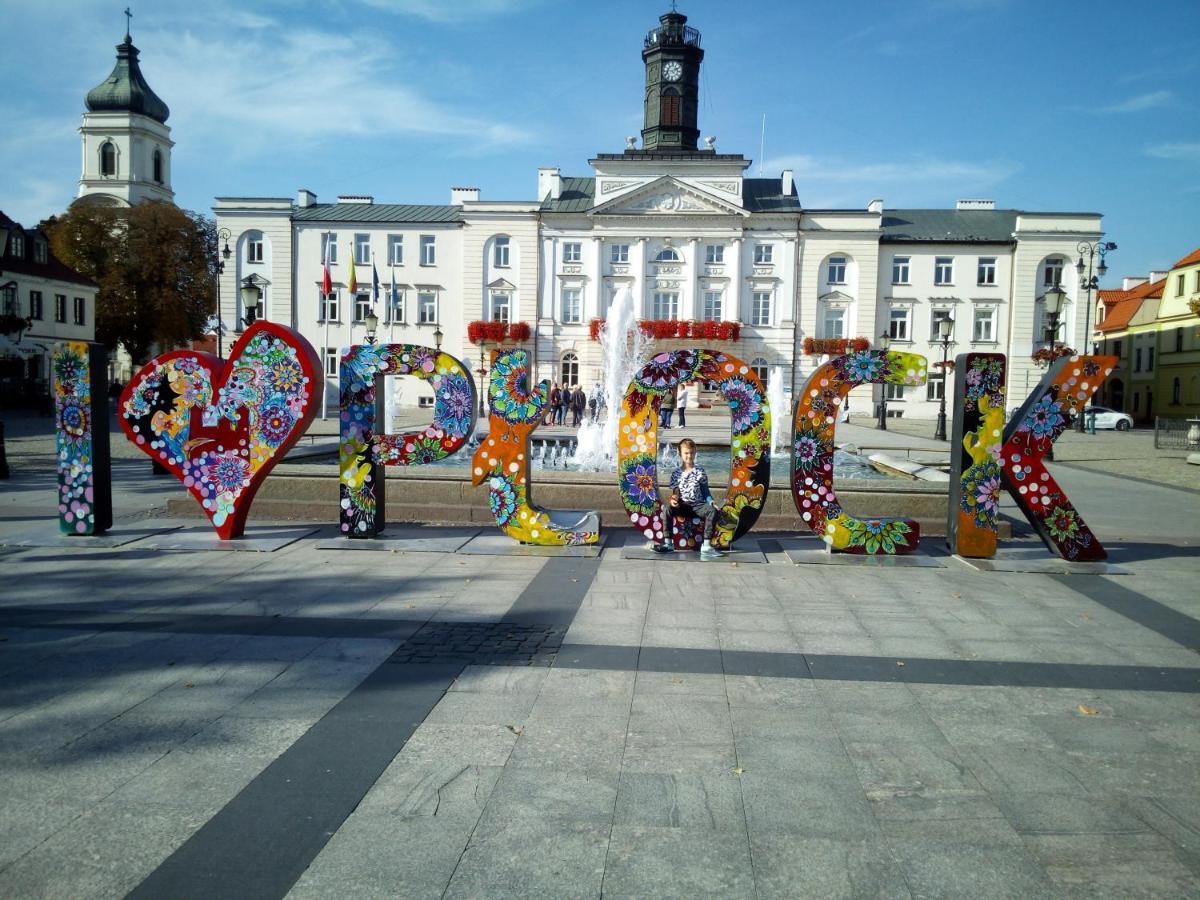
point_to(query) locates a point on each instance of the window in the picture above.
(427, 307)
(764, 254)
(428, 250)
(1117, 349)
(619, 253)
(935, 386)
(714, 254)
(35, 305)
(60, 308)
(760, 308)
(396, 305)
(1196, 285)
(79, 308)
(898, 323)
(572, 306)
(983, 328)
(987, 270)
(18, 246)
(943, 270)
(572, 252)
(501, 306)
(713, 306)
(667, 254)
(329, 307)
(396, 249)
(10, 301)
(837, 270)
(1052, 272)
(834, 322)
(900, 269)
(362, 306)
(500, 252)
(362, 249)
(1178, 337)
(937, 316)
(761, 368)
(1179, 284)
(893, 391)
(669, 108)
(254, 249)
(40, 254)
(331, 362)
(1137, 359)
(158, 165)
(1176, 392)
(1149, 359)
(108, 159)
(569, 370)
(666, 305)
(329, 248)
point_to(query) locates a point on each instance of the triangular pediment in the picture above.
(502, 284)
(667, 196)
(835, 297)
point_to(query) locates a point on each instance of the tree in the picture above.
(156, 267)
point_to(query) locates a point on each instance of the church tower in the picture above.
(126, 141)
(672, 56)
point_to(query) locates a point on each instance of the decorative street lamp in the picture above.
(222, 235)
(251, 297)
(1089, 281)
(1053, 301)
(885, 341)
(945, 330)
(372, 322)
(437, 336)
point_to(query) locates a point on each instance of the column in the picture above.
(732, 311)
(690, 301)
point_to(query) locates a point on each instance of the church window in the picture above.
(158, 166)
(108, 159)
(670, 108)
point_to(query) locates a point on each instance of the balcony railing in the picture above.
(672, 36)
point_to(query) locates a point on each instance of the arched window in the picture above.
(158, 165)
(1176, 391)
(761, 368)
(569, 369)
(667, 254)
(670, 107)
(108, 159)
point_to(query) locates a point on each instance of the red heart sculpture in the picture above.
(221, 425)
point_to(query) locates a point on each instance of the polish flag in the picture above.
(326, 278)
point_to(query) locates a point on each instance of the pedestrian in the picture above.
(668, 407)
(560, 409)
(552, 405)
(595, 401)
(578, 405)
(690, 497)
(685, 395)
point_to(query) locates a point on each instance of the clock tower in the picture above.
(672, 56)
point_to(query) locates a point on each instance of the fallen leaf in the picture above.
(738, 770)
(576, 580)
(675, 679)
(1088, 711)
(900, 662)
(515, 730)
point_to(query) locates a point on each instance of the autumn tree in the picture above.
(155, 265)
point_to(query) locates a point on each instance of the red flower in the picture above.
(519, 331)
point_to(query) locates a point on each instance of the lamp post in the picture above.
(223, 257)
(482, 376)
(885, 341)
(1053, 302)
(251, 297)
(372, 322)
(1089, 280)
(945, 330)
(437, 337)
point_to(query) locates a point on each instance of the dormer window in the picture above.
(17, 243)
(667, 254)
(108, 160)
(40, 252)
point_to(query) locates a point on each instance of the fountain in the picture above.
(624, 349)
(780, 420)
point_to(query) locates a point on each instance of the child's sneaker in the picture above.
(708, 551)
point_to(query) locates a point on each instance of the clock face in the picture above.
(672, 71)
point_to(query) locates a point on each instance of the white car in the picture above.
(1108, 418)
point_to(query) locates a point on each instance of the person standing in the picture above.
(685, 395)
(552, 405)
(668, 407)
(578, 405)
(564, 399)
(595, 400)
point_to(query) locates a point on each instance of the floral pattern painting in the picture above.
(975, 481)
(813, 426)
(221, 425)
(750, 442)
(502, 460)
(1061, 395)
(80, 373)
(364, 447)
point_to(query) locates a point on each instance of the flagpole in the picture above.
(325, 348)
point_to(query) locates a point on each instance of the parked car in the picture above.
(1109, 418)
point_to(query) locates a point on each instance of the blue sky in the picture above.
(1039, 105)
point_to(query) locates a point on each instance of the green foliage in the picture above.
(155, 265)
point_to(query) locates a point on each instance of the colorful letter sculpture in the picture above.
(364, 451)
(813, 427)
(219, 426)
(750, 443)
(1047, 412)
(973, 512)
(502, 460)
(80, 372)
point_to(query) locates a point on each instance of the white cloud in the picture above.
(452, 11)
(1141, 102)
(922, 172)
(1180, 151)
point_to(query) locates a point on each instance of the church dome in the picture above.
(125, 90)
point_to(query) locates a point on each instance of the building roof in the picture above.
(991, 226)
(52, 269)
(400, 213)
(759, 195)
(576, 196)
(1193, 257)
(1121, 313)
(126, 90)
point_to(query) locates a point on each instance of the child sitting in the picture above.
(689, 497)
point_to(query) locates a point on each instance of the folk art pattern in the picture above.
(813, 426)
(750, 444)
(973, 511)
(79, 370)
(502, 459)
(219, 426)
(1061, 395)
(364, 450)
